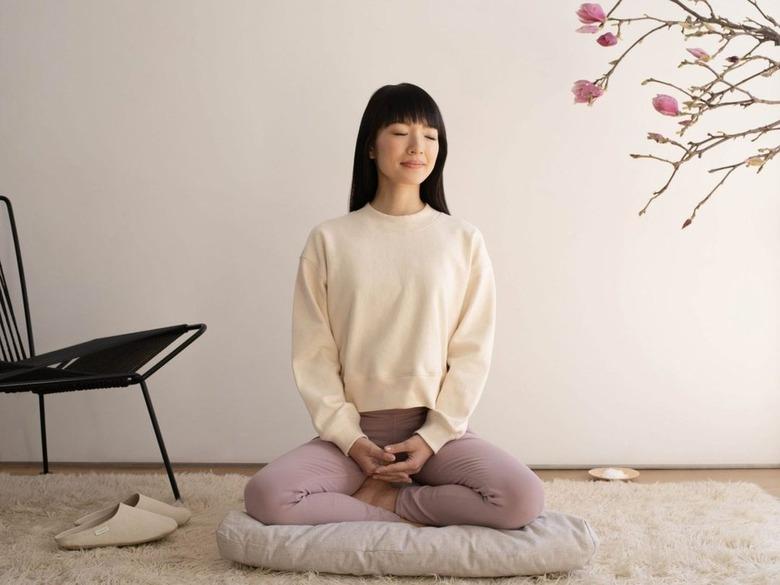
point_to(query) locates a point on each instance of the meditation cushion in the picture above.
(553, 542)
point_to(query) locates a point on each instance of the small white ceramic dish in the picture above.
(613, 473)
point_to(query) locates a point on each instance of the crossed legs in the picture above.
(469, 481)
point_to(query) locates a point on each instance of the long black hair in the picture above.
(406, 103)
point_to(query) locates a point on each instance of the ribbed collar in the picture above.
(408, 221)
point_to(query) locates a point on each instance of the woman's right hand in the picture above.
(371, 457)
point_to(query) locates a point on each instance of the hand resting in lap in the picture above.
(385, 465)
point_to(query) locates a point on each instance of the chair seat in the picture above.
(57, 386)
(105, 362)
(19, 377)
(554, 542)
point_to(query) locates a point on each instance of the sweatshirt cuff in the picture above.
(435, 434)
(346, 438)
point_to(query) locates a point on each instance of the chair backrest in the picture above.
(13, 345)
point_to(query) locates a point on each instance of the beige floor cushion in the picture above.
(554, 542)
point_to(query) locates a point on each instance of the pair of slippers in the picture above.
(134, 520)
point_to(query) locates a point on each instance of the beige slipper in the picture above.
(179, 513)
(122, 525)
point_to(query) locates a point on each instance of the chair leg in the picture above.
(42, 412)
(160, 441)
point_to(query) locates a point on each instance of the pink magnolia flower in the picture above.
(588, 28)
(607, 40)
(590, 12)
(666, 105)
(585, 92)
(699, 54)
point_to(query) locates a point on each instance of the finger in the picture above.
(382, 455)
(379, 466)
(395, 447)
(380, 473)
(382, 464)
(401, 466)
(392, 478)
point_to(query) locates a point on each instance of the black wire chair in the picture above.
(105, 362)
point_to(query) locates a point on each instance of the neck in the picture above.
(398, 203)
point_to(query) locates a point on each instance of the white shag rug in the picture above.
(691, 533)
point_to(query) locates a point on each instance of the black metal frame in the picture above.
(106, 362)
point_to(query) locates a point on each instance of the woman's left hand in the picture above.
(418, 453)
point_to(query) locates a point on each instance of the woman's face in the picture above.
(400, 142)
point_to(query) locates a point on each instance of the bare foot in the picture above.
(377, 493)
(380, 493)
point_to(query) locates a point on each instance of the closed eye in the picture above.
(402, 134)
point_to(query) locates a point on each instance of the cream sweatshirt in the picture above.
(392, 311)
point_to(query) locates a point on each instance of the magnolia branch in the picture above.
(703, 98)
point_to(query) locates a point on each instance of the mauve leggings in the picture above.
(469, 481)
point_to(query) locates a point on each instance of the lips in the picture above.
(413, 165)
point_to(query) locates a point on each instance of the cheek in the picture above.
(397, 148)
(393, 151)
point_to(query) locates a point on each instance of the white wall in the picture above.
(167, 159)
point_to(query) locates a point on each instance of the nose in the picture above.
(417, 141)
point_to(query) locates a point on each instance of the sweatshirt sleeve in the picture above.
(469, 354)
(315, 360)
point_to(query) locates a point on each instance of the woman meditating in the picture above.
(392, 336)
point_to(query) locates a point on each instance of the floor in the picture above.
(768, 479)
